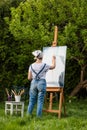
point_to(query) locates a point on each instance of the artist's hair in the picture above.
(40, 58)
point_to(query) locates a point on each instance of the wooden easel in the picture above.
(52, 90)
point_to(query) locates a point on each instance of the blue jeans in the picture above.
(37, 93)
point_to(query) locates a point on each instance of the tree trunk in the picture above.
(78, 87)
(81, 84)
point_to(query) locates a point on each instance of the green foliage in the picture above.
(71, 75)
(8, 48)
(33, 21)
(27, 25)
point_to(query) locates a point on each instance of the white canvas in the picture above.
(55, 77)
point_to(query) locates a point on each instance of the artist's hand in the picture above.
(54, 57)
(54, 60)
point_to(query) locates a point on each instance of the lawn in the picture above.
(76, 118)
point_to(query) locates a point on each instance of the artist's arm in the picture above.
(29, 75)
(53, 63)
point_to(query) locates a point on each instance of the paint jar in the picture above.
(17, 98)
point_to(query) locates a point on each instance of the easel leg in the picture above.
(46, 104)
(51, 101)
(64, 106)
(60, 103)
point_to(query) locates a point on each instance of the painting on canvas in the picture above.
(55, 77)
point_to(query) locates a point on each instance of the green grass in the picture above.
(76, 119)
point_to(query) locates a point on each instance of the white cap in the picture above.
(38, 54)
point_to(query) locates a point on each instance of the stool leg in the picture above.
(16, 107)
(22, 110)
(11, 111)
(5, 109)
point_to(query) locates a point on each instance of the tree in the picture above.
(8, 52)
(33, 20)
(32, 24)
(75, 34)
